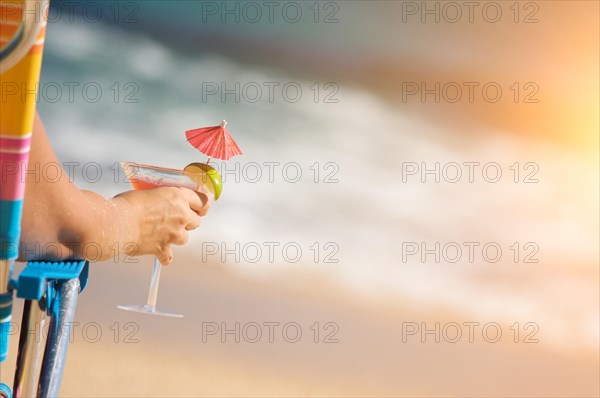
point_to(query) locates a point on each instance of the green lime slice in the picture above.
(208, 176)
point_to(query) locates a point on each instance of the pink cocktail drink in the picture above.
(143, 177)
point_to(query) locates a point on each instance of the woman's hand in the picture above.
(163, 217)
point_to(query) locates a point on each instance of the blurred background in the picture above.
(341, 108)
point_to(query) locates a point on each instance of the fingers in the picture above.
(194, 221)
(178, 211)
(199, 202)
(165, 255)
(181, 238)
(205, 200)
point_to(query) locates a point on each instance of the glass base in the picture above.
(148, 309)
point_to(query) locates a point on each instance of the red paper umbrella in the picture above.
(214, 141)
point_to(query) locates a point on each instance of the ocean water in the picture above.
(359, 208)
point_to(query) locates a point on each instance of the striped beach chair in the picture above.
(49, 289)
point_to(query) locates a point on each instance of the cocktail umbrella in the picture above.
(214, 142)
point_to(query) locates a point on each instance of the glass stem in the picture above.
(153, 293)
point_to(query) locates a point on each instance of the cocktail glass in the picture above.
(143, 177)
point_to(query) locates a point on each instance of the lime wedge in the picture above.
(207, 176)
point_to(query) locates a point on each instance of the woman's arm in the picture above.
(62, 221)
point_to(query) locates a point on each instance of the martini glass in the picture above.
(144, 177)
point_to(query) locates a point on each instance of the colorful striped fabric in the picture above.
(22, 33)
(18, 89)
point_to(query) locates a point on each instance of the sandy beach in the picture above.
(367, 352)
